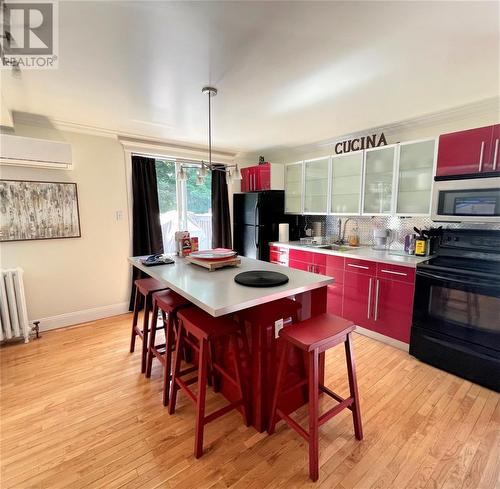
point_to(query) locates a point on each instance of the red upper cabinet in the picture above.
(466, 152)
(267, 176)
(245, 179)
(494, 164)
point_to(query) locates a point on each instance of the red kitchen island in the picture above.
(218, 294)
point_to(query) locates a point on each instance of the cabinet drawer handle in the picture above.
(481, 154)
(369, 299)
(495, 155)
(358, 266)
(376, 300)
(394, 273)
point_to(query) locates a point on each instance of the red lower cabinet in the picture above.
(357, 299)
(378, 303)
(376, 296)
(393, 308)
(335, 294)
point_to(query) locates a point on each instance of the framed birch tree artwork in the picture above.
(38, 210)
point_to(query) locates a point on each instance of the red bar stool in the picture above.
(145, 287)
(204, 329)
(314, 336)
(169, 303)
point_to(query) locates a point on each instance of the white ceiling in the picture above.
(288, 73)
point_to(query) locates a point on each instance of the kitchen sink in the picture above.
(333, 246)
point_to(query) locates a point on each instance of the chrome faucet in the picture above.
(341, 235)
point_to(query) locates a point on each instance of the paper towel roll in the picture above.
(284, 232)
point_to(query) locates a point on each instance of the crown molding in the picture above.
(130, 141)
(171, 149)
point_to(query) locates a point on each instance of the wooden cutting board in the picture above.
(212, 265)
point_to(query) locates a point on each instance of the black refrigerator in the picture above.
(257, 216)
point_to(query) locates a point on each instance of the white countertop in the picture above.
(217, 293)
(362, 253)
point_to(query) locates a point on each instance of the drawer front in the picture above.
(396, 272)
(303, 256)
(299, 265)
(360, 266)
(333, 261)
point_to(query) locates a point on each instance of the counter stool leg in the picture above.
(134, 319)
(145, 331)
(169, 340)
(313, 415)
(152, 339)
(353, 387)
(200, 398)
(277, 388)
(239, 377)
(177, 367)
(212, 376)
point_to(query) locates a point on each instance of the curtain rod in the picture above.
(180, 159)
(176, 158)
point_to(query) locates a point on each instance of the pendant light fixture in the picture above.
(232, 171)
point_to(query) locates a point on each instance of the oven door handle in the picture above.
(448, 278)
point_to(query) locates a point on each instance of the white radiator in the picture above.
(13, 314)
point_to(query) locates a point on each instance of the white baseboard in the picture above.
(77, 317)
(384, 339)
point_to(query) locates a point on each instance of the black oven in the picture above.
(456, 315)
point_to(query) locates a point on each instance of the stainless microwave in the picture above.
(467, 200)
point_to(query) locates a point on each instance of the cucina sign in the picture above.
(356, 144)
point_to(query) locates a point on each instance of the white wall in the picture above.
(73, 280)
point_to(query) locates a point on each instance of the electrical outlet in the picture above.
(278, 326)
(119, 215)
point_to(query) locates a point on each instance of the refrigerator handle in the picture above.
(256, 226)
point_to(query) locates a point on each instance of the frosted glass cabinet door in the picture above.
(346, 183)
(293, 188)
(379, 176)
(416, 167)
(316, 186)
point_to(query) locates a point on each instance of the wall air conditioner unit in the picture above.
(37, 153)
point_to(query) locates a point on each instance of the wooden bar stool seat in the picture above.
(315, 336)
(168, 302)
(198, 329)
(143, 287)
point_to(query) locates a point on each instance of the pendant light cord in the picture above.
(209, 130)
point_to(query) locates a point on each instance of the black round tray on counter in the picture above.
(261, 278)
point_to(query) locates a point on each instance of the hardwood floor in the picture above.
(76, 413)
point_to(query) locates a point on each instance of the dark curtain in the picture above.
(221, 220)
(146, 227)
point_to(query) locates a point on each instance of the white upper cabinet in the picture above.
(316, 185)
(293, 187)
(346, 179)
(415, 177)
(395, 179)
(380, 166)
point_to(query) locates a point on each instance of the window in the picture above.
(184, 205)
